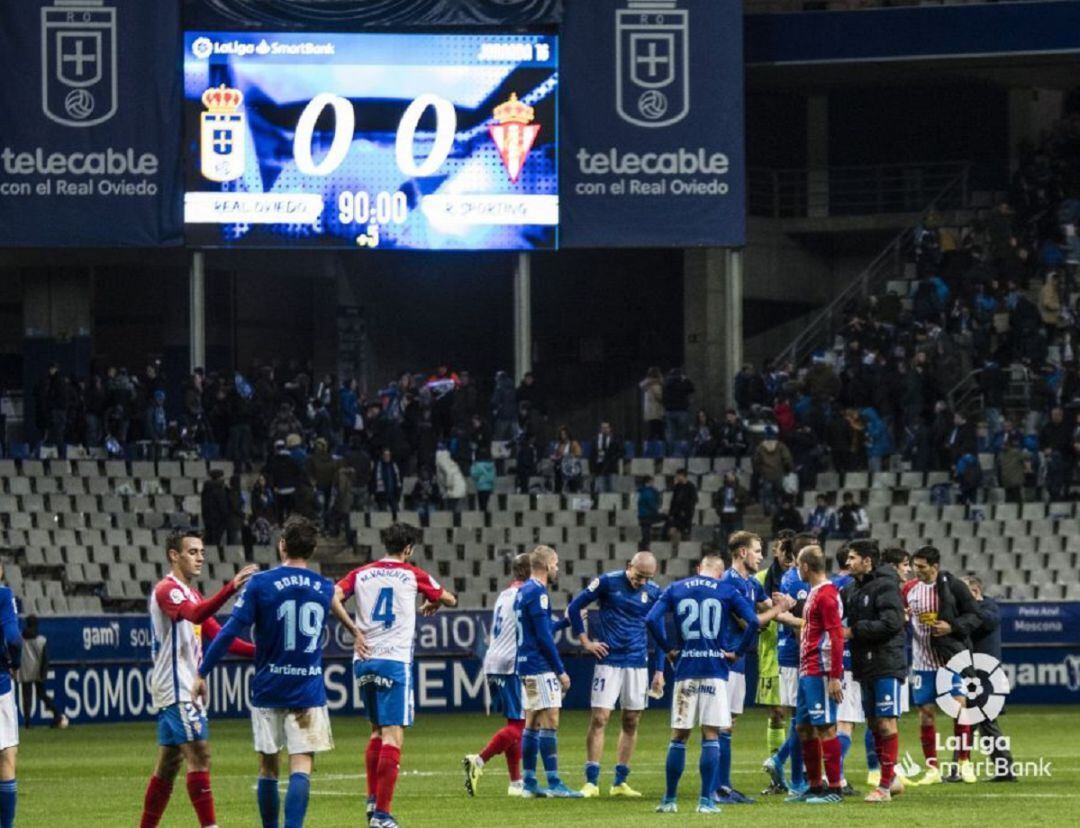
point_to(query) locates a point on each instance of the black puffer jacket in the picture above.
(957, 606)
(875, 614)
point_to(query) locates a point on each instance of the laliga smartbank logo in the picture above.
(983, 684)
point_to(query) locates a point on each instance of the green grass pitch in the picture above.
(95, 775)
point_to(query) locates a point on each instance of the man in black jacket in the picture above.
(943, 616)
(875, 617)
(987, 639)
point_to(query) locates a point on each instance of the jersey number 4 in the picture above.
(308, 622)
(384, 608)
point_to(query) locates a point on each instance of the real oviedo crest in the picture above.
(652, 63)
(78, 62)
(221, 139)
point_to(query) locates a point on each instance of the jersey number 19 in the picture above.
(308, 622)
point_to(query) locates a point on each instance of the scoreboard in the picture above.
(371, 141)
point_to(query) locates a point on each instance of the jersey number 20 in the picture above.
(702, 620)
(308, 621)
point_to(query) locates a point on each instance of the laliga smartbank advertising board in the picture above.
(652, 124)
(89, 145)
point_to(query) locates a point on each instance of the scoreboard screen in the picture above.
(371, 141)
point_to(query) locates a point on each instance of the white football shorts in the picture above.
(851, 709)
(736, 692)
(700, 701)
(629, 686)
(9, 720)
(789, 686)
(542, 691)
(305, 730)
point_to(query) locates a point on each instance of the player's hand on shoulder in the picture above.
(564, 680)
(244, 575)
(732, 657)
(428, 608)
(598, 649)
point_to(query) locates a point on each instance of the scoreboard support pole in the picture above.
(197, 310)
(713, 319)
(522, 317)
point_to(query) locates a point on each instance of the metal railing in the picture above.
(888, 264)
(967, 395)
(857, 190)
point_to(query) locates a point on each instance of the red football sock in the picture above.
(513, 751)
(877, 744)
(389, 760)
(158, 792)
(928, 737)
(830, 749)
(888, 750)
(371, 762)
(811, 754)
(499, 743)
(962, 733)
(202, 797)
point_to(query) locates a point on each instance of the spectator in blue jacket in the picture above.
(879, 442)
(482, 473)
(648, 510)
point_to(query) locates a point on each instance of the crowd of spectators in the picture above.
(990, 302)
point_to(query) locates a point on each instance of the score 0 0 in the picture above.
(345, 124)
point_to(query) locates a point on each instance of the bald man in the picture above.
(626, 670)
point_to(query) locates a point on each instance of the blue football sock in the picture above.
(708, 765)
(621, 772)
(296, 799)
(592, 772)
(676, 763)
(723, 774)
(8, 794)
(530, 747)
(845, 746)
(798, 771)
(783, 753)
(872, 762)
(549, 753)
(269, 802)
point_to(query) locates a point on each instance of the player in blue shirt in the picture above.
(850, 711)
(620, 643)
(787, 654)
(287, 606)
(743, 559)
(10, 657)
(543, 677)
(704, 610)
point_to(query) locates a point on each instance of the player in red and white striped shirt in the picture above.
(821, 673)
(181, 619)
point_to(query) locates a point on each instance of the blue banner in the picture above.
(652, 124)
(117, 638)
(1046, 623)
(89, 141)
(914, 33)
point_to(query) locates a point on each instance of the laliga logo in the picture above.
(982, 681)
(652, 63)
(514, 135)
(78, 62)
(222, 136)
